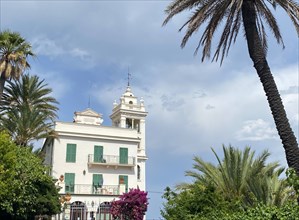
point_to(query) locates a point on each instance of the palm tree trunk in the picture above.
(2, 82)
(258, 56)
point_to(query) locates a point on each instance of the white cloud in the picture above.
(172, 102)
(47, 47)
(83, 55)
(60, 49)
(209, 107)
(256, 130)
(57, 81)
(290, 90)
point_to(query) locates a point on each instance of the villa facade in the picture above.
(94, 164)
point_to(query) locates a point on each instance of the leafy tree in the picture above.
(25, 188)
(196, 201)
(28, 111)
(242, 176)
(14, 52)
(288, 211)
(206, 203)
(8, 160)
(240, 186)
(131, 205)
(231, 14)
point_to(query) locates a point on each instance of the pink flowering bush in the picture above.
(130, 206)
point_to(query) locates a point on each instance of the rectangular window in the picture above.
(69, 182)
(98, 154)
(123, 155)
(97, 182)
(71, 153)
(123, 180)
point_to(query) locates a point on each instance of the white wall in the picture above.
(86, 147)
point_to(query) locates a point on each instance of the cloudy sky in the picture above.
(84, 50)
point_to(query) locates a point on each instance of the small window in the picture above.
(123, 179)
(123, 155)
(129, 123)
(97, 182)
(98, 154)
(138, 172)
(69, 182)
(130, 102)
(71, 153)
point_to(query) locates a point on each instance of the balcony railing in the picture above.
(111, 160)
(91, 189)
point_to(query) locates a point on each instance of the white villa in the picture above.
(95, 163)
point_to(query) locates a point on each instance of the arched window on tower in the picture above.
(138, 172)
(129, 123)
(137, 125)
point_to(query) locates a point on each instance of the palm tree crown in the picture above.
(213, 13)
(28, 111)
(252, 15)
(241, 175)
(14, 51)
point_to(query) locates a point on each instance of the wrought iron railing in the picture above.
(111, 159)
(92, 189)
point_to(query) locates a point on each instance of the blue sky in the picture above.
(84, 49)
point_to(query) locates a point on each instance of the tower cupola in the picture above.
(129, 111)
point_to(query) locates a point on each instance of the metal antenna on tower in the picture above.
(129, 76)
(89, 101)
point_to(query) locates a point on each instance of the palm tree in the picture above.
(242, 176)
(270, 189)
(252, 14)
(14, 51)
(28, 111)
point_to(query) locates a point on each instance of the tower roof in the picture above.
(88, 116)
(129, 104)
(128, 92)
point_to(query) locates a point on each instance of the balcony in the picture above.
(90, 189)
(111, 161)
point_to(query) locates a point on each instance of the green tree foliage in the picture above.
(241, 184)
(206, 203)
(289, 211)
(14, 52)
(8, 158)
(197, 201)
(252, 15)
(28, 111)
(240, 175)
(25, 188)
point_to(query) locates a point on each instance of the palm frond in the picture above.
(28, 111)
(210, 15)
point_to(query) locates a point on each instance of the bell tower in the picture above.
(130, 113)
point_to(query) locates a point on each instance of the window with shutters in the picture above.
(69, 179)
(71, 153)
(123, 180)
(123, 155)
(98, 154)
(97, 182)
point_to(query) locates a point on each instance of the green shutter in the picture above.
(125, 178)
(123, 155)
(69, 182)
(71, 152)
(97, 180)
(98, 154)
